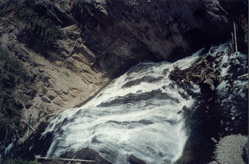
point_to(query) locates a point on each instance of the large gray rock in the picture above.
(229, 150)
(246, 152)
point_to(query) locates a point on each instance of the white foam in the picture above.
(152, 130)
(188, 61)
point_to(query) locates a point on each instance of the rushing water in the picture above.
(145, 116)
(137, 114)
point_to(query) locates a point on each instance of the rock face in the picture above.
(60, 84)
(101, 39)
(135, 28)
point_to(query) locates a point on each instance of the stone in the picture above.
(51, 97)
(51, 94)
(225, 65)
(58, 101)
(134, 160)
(209, 81)
(245, 155)
(212, 76)
(229, 150)
(45, 99)
(217, 60)
(212, 87)
(86, 153)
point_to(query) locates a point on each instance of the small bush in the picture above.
(42, 29)
(13, 69)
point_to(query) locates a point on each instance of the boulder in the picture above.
(229, 150)
(134, 160)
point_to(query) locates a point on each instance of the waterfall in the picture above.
(137, 114)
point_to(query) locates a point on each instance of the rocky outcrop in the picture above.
(58, 85)
(100, 39)
(121, 33)
(220, 111)
(134, 29)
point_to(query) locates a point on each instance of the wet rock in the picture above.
(179, 112)
(210, 83)
(212, 76)
(226, 121)
(217, 60)
(212, 87)
(246, 152)
(91, 154)
(144, 79)
(87, 154)
(130, 98)
(225, 65)
(134, 160)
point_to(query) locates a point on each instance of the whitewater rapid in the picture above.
(137, 114)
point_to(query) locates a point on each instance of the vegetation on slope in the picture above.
(39, 31)
(12, 76)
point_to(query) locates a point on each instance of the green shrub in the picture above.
(14, 70)
(42, 29)
(12, 74)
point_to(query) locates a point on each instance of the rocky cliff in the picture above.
(71, 49)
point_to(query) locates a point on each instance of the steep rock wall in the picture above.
(135, 30)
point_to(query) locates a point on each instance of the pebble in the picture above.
(212, 87)
(224, 65)
(179, 112)
(209, 81)
(217, 60)
(46, 100)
